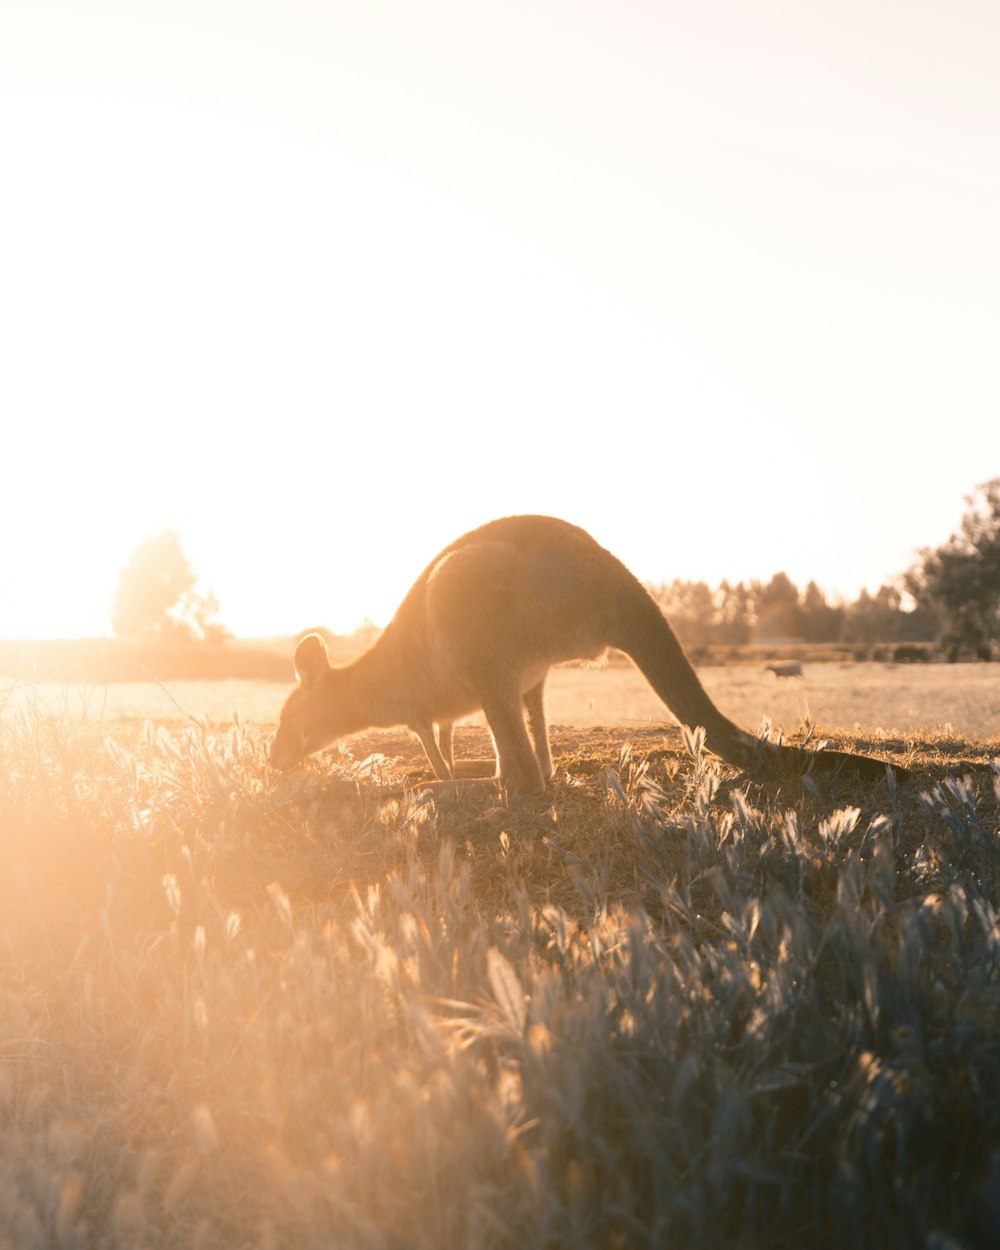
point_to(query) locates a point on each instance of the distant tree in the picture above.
(960, 580)
(690, 609)
(735, 614)
(156, 595)
(874, 618)
(918, 622)
(778, 611)
(821, 620)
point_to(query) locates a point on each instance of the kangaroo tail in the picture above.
(644, 634)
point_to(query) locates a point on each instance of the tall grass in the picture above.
(670, 1008)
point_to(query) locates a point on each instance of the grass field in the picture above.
(959, 698)
(668, 1005)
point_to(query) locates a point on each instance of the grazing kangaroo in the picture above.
(481, 628)
(784, 668)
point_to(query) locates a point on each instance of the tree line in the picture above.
(777, 612)
(950, 596)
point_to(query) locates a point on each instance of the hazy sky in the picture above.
(324, 284)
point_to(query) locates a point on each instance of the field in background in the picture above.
(963, 698)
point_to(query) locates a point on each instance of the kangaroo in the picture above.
(480, 629)
(784, 668)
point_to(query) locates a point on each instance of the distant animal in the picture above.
(785, 668)
(907, 654)
(480, 629)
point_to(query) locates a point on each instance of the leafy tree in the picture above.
(821, 621)
(960, 580)
(690, 609)
(735, 614)
(918, 622)
(874, 618)
(778, 611)
(156, 595)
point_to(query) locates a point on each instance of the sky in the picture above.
(323, 284)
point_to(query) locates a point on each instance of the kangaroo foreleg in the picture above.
(446, 744)
(464, 768)
(534, 705)
(435, 757)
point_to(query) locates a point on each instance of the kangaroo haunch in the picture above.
(481, 628)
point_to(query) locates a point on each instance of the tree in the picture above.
(960, 580)
(735, 614)
(778, 611)
(156, 595)
(690, 609)
(821, 621)
(874, 618)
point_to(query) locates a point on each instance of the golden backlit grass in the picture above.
(667, 1005)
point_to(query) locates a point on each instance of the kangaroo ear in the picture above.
(311, 660)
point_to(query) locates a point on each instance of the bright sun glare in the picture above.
(321, 297)
(210, 376)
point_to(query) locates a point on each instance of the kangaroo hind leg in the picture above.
(520, 771)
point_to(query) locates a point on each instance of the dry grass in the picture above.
(925, 698)
(668, 1005)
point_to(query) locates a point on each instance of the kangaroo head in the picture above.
(313, 715)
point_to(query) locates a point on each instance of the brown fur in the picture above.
(480, 629)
